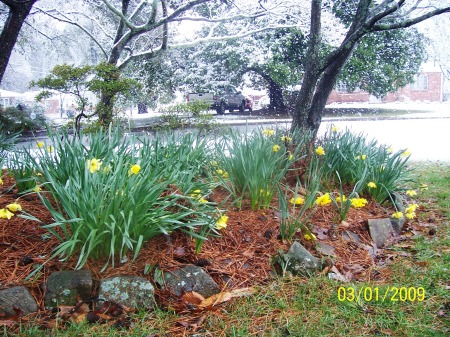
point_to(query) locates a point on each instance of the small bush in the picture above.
(22, 118)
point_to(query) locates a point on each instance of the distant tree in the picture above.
(384, 62)
(137, 30)
(360, 18)
(18, 11)
(78, 81)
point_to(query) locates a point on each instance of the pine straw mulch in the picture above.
(240, 257)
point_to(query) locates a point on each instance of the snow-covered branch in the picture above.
(63, 18)
(208, 39)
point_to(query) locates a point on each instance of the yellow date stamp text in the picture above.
(381, 294)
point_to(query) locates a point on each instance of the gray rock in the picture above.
(299, 261)
(380, 230)
(397, 224)
(350, 236)
(16, 297)
(67, 287)
(325, 248)
(131, 291)
(190, 278)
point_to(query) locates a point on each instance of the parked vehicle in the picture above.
(226, 97)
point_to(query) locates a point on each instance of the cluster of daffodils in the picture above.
(410, 212)
(222, 222)
(197, 194)
(361, 157)
(41, 145)
(325, 199)
(284, 139)
(268, 132)
(219, 171)
(9, 210)
(222, 173)
(264, 193)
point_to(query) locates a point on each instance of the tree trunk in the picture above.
(18, 12)
(312, 72)
(275, 91)
(321, 75)
(276, 97)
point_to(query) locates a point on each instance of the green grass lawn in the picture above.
(420, 271)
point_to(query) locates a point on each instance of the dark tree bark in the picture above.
(321, 72)
(275, 91)
(18, 12)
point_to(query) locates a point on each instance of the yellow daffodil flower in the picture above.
(372, 185)
(222, 173)
(424, 187)
(411, 208)
(406, 153)
(323, 200)
(276, 148)
(14, 207)
(411, 193)
(222, 222)
(290, 155)
(202, 200)
(320, 151)
(40, 145)
(358, 202)
(334, 128)
(213, 163)
(50, 148)
(309, 237)
(94, 165)
(341, 199)
(6, 214)
(36, 189)
(410, 216)
(397, 215)
(268, 132)
(389, 150)
(134, 169)
(286, 139)
(1, 181)
(297, 201)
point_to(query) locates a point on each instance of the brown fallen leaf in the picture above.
(192, 298)
(198, 301)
